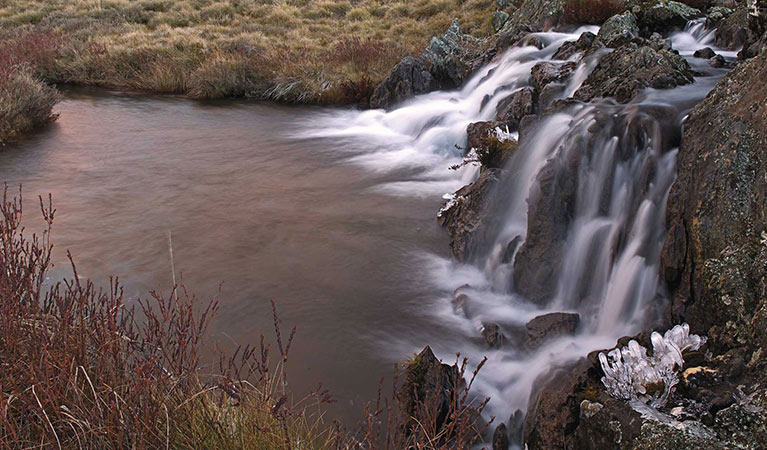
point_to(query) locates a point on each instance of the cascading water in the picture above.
(581, 208)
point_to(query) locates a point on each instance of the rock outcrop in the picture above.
(452, 56)
(408, 78)
(633, 67)
(664, 16)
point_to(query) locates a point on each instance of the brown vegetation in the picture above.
(287, 50)
(592, 11)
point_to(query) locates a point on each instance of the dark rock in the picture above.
(513, 108)
(630, 68)
(538, 14)
(664, 16)
(609, 425)
(618, 29)
(408, 78)
(720, 202)
(570, 48)
(500, 438)
(532, 40)
(493, 335)
(756, 38)
(511, 33)
(425, 377)
(705, 53)
(550, 326)
(477, 134)
(467, 217)
(717, 61)
(544, 73)
(491, 151)
(733, 31)
(452, 56)
(516, 427)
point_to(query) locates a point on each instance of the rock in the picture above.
(664, 16)
(719, 201)
(532, 15)
(544, 73)
(716, 15)
(733, 31)
(756, 38)
(717, 61)
(571, 48)
(550, 326)
(493, 335)
(491, 151)
(425, 377)
(513, 108)
(408, 78)
(499, 20)
(630, 68)
(452, 56)
(705, 53)
(467, 217)
(500, 438)
(618, 29)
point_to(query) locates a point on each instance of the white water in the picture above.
(610, 257)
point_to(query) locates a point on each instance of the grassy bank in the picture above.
(82, 369)
(292, 50)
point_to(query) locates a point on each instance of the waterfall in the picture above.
(603, 170)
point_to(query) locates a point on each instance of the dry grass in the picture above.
(292, 50)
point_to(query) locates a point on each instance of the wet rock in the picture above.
(618, 29)
(499, 20)
(756, 38)
(609, 425)
(512, 33)
(532, 40)
(664, 16)
(513, 108)
(717, 61)
(500, 438)
(545, 73)
(705, 53)
(733, 31)
(493, 335)
(550, 326)
(571, 48)
(452, 55)
(467, 217)
(720, 202)
(492, 151)
(408, 78)
(630, 68)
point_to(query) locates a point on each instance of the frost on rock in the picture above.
(631, 374)
(452, 199)
(504, 135)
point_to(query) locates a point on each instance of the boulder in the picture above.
(571, 48)
(663, 16)
(408, 78)
(513, 108)
(499, 20)
(618, 29)
(550, 326)
(493, 335)
(733, 31)
(532, 15)
(717, 211)
(467, 216)
(633, 67)
(717, 61)
(545, 73)
(452, 55)
(705, 53)
(716, 15)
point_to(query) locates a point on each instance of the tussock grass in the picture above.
(291, 50)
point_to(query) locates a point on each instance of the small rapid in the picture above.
(580, 209)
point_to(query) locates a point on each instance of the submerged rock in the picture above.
(631, 68)
(408, 78)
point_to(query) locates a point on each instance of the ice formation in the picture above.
(632, 374)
